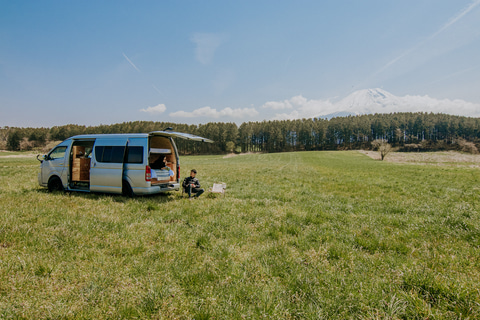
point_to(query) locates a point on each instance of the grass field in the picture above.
(308, 235)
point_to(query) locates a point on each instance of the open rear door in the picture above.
(172, 134)
(181, 135)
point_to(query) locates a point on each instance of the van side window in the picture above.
(112, 154)
(135, 154)
(57, 153)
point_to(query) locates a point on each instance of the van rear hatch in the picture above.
(181, 135)
(174, 161)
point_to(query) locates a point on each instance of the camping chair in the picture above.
(219, 188)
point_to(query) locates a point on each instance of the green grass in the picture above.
(310, 235)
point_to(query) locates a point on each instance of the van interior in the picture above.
(161, 148)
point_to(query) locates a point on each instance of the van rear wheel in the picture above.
(127, 190)
(55, 184)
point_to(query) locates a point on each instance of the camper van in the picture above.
(129, 164)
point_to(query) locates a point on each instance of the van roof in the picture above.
(169, 133)
(110, 135)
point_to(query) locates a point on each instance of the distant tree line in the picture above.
(404, 131)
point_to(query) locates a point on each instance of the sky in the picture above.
(106, 62)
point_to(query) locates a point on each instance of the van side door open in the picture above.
(107, 164)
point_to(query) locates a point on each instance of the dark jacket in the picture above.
(189, 180)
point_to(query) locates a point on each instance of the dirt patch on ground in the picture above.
(4, 154)
(231, 155)
(451, 158)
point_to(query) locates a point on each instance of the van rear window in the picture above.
(112, 154)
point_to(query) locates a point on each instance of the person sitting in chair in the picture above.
(191, 185)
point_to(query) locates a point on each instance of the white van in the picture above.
(129, 164)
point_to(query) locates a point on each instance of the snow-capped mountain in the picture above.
(368, 101)
(380, 101)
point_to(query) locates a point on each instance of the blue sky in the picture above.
(104, 62)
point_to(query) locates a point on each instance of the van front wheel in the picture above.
(55, 184)
(127, 190)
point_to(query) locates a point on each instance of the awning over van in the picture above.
(181, 135)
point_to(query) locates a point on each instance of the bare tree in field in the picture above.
(382, 146)
(230, 146)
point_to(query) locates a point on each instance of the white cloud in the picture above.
(160, 108)
(206, 45)
(208, 112)
(428, 104)
(300, 108)
(287, 116)
(371, 101)
(299, 100)
(278, 105)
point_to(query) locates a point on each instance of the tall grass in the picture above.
(311, 235)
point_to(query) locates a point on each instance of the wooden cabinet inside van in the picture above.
(80, 164)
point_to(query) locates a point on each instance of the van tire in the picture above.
(55, 184)
(127, 190)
